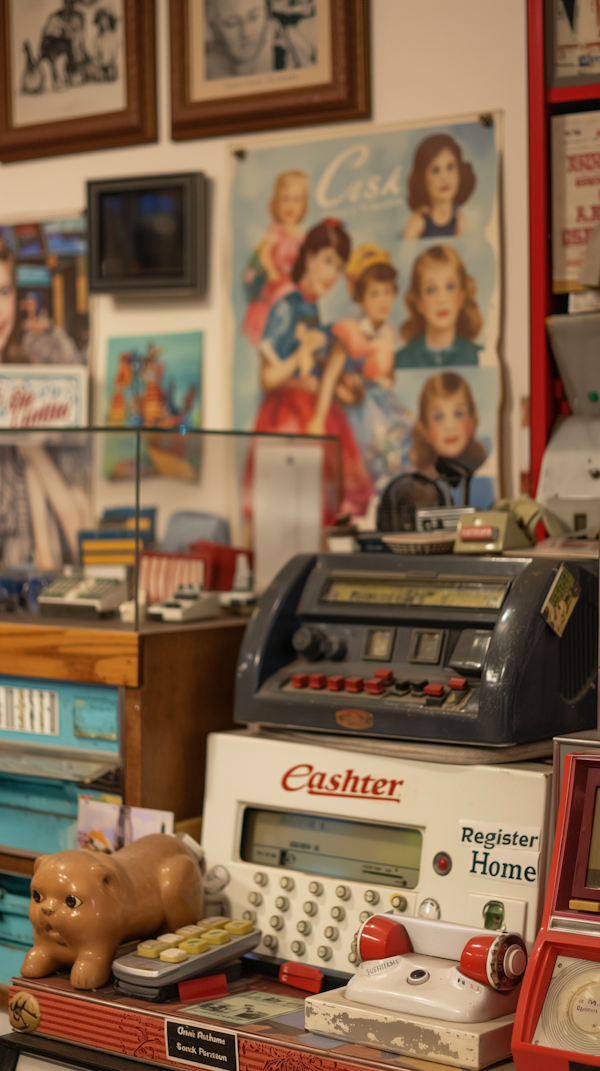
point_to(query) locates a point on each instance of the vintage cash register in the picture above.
(446, 649)
(313, 834)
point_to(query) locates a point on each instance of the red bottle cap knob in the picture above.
(375, 687)
(299, 680)
(384, 674)
(317, 680)
(498, 961)
(354, 684)
(382, 937)
(335, 684)
(458, 684)
(434, 689)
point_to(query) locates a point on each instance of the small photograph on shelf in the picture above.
(575, 185)
(154, 381)
(573, 34)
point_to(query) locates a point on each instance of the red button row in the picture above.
(375, 686)
(317, 681)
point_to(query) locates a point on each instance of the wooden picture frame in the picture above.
(131, 124)
(343, 95)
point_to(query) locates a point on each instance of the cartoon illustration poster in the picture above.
(365, 299)
(154, 381)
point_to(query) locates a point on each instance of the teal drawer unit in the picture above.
(58, 740)
(16, 934)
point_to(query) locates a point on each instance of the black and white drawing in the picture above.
(67, 57)
(253, 37)
(75, 44)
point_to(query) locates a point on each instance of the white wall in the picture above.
(430, 58)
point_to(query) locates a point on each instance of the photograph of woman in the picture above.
(359, 370)
(41, 512)
(292, 351)
(439, 183)
(444, 317)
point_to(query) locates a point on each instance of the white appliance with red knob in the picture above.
(441, 969)
(427, 987)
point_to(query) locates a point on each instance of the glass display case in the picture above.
(127, 528)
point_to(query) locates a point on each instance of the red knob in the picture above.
(354, 684)
(382, 937)
(384, 674)
(498, 960)
(335, 683)
(316, 680)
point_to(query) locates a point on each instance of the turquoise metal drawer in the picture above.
(58, 740)
(16, 934)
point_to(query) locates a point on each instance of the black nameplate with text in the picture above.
(203, 1045)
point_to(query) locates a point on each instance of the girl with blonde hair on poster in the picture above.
(444, 318)
(268, 275)
(359, 371)
(440, 181)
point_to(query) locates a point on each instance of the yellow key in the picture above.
(150, 949)
(194, 946)
(190, 931)
(216, 937)
(215, 922)
(238, 927)
(169, 940)
(173, 955)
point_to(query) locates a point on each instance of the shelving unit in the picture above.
(547, 395)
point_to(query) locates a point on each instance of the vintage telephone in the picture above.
(422, 979)
(440, 969)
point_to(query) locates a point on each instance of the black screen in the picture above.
(141, 233)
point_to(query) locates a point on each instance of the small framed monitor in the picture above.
(148, 234)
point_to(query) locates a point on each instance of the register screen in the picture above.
(332, 847)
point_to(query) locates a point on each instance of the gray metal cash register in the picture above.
(438, 648)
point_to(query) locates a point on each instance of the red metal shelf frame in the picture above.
(541, 406)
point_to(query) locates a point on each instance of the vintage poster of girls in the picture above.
(365, 278)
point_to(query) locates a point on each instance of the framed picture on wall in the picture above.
(245, 65)
(572, 42)
(75, 75)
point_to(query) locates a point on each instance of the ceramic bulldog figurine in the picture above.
(83, 904)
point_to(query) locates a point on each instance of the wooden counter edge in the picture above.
(95, 656)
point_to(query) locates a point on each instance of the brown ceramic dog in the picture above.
(83, 904)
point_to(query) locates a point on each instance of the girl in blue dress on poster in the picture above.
(360, 368)
(440, 181)
(444, 318)
(292, 351)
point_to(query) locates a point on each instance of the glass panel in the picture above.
(89, 518)
(592, 880)
(390, 592)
